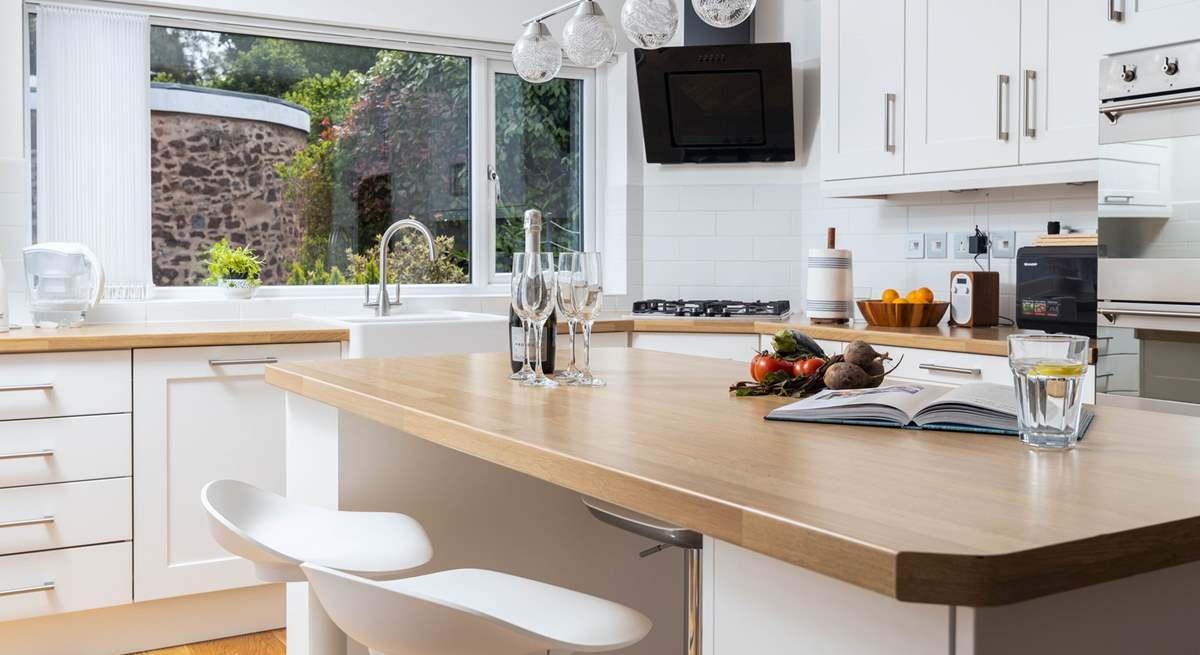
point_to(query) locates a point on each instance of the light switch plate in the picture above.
(961, 247)
(935, 245)
(1004, 245)
(914, 246)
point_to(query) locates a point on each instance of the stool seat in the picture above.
(472, 612)
(277, 535)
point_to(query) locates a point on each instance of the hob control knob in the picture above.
(1170, 66)
(1128, 73)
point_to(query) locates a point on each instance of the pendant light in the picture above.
(536, 55)
(650, 23)
(724, 13)
(587, 37)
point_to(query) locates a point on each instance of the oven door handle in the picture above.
(1114, 112)
(1112, 314)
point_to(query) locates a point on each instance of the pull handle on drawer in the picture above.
(243, 362)
(45, 586)
(39, 386)
(49, 452)
(23, 522)
(957, 370)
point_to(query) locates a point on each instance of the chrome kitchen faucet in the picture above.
(383, 306)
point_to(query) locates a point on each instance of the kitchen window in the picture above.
(307, 150)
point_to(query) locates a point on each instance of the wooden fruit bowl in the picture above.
(885, 314)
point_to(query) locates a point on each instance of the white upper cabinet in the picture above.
(962, 59)
(863, 69)
(1137, 24)
(1060, 51)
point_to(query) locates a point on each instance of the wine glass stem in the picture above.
(525, 325)
(587, 349)
(537, 348)
(571, 328)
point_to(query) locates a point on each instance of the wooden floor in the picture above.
(262, 643)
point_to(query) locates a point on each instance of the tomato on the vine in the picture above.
(763, 365)
(804, 368)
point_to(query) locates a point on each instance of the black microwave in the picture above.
(1056, 289)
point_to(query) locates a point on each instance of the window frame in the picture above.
(487, 58)
(587, 76)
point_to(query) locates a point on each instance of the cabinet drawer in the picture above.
(65, 384)
(68, 580)
(65, 449)
(947, 367)
(65, 515)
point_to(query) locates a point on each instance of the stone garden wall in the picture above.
(212, 177)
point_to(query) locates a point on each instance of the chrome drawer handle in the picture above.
(1118, 200)
(243, 362)
(21, 522)
(1030, 108)
(49, 452)
(951, 369)
(45, 586)
(1115, 15)
(1002, 108)
(42, 386)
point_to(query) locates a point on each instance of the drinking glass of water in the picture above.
(1048, 371)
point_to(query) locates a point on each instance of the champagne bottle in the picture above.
(533, 244)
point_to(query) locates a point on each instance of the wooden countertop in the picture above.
(168, 335)
(931, 517)
(979, 341)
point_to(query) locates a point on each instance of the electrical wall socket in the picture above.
(961, 248)
(1004, 245)
(935, 245)
(914, 246)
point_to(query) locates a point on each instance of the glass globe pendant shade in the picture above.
(724, 13)
(650, 23)
(587, 38)
(536, 55)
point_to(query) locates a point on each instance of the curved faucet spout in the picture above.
(384, 308)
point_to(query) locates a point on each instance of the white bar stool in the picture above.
(277, 535)
(472, 612)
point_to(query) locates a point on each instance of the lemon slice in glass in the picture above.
(1058, 370)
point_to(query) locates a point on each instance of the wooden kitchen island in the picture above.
(820, 539)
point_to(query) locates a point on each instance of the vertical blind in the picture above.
(93, 139)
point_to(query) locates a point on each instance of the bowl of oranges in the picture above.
(917, 308)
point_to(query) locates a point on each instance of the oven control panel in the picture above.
(1153, 71)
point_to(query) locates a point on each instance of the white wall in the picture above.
(12, 146)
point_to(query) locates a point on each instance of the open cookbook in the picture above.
(973, 407)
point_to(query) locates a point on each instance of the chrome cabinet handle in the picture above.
(1112, 314)
(889, 122)
(951, 369)
(21, 522)
(1118, 200)
(1114, 111)
(39, 386)
(1001, 105)
(1115, 15)
(242, 362)
(45, 586)
(1030, 108)
(49, 452)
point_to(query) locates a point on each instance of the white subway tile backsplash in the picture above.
(661, 198)
(657, 249)
(716, 248)
(12, 175)
(13, 210)
(667, 292)
(935, 218)
(12, 241)
(660, 223)
(777, 197)
(680, 273)
(717, 197)
(784, 249)
(754, 223)
(753, 273)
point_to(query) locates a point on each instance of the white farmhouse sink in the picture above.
(426, 333)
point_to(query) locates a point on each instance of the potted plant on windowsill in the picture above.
(234, 270)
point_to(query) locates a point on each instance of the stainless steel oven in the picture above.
(1149, 222)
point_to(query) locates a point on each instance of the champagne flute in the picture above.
(570, 266)
(526, 371)
(587, 295)
(534, 284)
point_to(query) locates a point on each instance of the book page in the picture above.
(984, 395)
(908, 398)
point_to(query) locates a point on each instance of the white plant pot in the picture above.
(237, 289)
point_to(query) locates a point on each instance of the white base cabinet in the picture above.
(202, 414)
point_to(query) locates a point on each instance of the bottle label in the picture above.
(518, 346)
